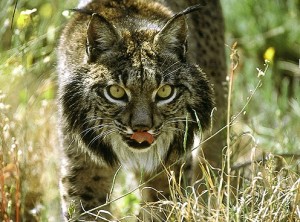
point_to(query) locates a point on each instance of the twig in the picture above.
(234, 64)
(261, 160)
(13, 15)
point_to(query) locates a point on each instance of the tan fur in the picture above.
(140, 47)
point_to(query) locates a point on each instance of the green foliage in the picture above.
(260, 24)
(29, 156)
(267, 30)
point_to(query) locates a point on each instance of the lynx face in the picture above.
(126, 89)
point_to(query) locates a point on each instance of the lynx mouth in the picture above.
(140, 140)
(136, 145)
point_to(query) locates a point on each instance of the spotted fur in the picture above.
(138, 46)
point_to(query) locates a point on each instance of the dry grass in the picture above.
(29, 162)
(266, 187)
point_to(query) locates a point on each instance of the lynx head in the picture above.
(126, 87)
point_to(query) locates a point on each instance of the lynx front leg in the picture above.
(153, 192)
(164, 187)
(84, 186)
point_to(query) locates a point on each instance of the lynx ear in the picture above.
(173, 37)
(101, 36)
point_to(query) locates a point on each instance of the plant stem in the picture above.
(234, 64)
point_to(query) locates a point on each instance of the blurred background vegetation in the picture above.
(29, 154)
(268, 30)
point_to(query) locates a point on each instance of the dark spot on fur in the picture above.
(64, 180)
(96, 178)
(69, 155)
(89, 189)
(77, 169)
(102, 200)
(72, 192)
(72, 179)
(86, 197)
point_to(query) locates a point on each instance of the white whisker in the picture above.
(99, 127)
(170, 73)
(103, 134)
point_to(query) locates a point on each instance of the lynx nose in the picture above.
(140, 127)
(141, 120)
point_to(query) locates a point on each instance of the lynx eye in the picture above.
(165, 92)
(116, 92)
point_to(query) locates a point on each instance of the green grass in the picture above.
(268, 190)
(273, 115)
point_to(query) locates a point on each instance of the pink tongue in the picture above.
(142, 136)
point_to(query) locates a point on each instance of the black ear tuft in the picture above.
(101, 36)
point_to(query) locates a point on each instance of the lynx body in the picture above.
(128, 96)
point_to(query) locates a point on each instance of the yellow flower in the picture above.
(269, 54)
(24, 18)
